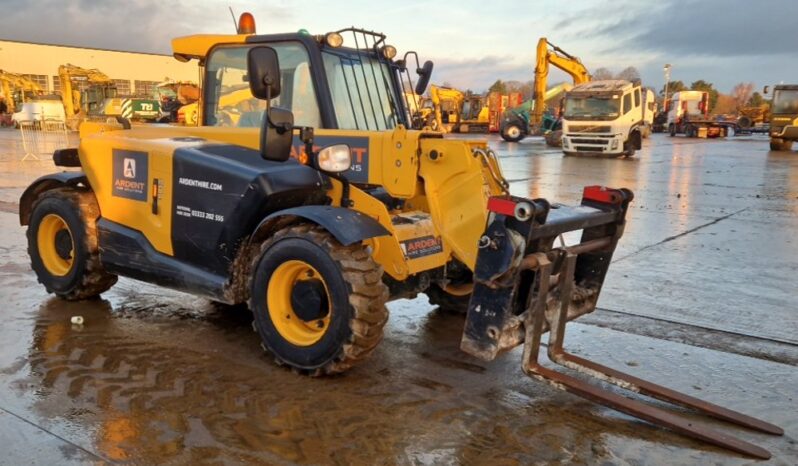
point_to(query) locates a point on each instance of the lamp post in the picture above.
(667, 70)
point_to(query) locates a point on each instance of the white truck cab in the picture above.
(605, 117)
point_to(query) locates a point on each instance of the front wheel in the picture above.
(452, 299)
(319, 306)
(778, 144)
(63, 244)
(512, 133)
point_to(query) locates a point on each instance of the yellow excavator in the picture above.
(516, 125)
(78, 104)
(17, 87)
(457, 112)
(100, 99)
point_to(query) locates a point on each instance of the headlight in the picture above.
(389, 51)
(565, 142)
(334, 40)
(614, 144)
(335, 159)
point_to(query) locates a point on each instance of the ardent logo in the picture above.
(130, 168)
(420, 247)
(423, 243)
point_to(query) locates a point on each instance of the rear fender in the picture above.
(346, 225)
(46, 183)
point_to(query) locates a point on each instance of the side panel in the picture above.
(122, 172)
(222, 192)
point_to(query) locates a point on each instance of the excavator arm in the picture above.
(10, 82)
(549, 54)
(70, 96)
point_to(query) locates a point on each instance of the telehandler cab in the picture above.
(320, 206)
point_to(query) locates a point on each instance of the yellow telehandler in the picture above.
(319, 206)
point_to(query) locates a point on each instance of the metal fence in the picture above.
(43, 137)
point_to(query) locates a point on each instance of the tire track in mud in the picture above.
(158, 402)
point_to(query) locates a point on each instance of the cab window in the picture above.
(229, 102)
(637, 98)
(627, 103)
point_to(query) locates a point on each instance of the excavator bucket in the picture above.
(524, 286)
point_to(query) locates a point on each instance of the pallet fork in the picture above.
(525, 287)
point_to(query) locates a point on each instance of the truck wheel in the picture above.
(672, 130)
(512, 133)
(454, 301)
(319, 306)
(778, 144)
(63, 244)
(629, 148)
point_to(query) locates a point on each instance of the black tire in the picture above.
(355, 300)
(629, 148)
(672, 130)
(84, 277)
(778, 144)
(448, 302)
(512, 133)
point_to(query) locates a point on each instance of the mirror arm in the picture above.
(306, 136)
(345, 201)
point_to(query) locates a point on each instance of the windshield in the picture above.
(592, 108)
(785, 101)
(362, 90)
(229, 102)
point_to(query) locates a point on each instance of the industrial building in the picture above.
(134, 73)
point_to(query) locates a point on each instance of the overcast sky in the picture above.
(472, 42)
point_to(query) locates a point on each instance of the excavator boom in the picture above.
(549, 54)
(12, 82)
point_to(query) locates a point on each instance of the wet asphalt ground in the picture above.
(701, 297)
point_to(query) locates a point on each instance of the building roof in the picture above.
(84, 48)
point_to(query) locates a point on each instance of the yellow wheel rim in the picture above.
(56, 245)
(291, 326)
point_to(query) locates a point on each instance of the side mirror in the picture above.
(277, 134)
(765, 90)
(263, 69)
(277, 129)
(424, 73)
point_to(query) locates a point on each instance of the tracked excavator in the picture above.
(518, 125)
(99, 98)
(327, 207)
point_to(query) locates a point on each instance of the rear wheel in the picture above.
(63, 244)
(319, 306)
(512, 133)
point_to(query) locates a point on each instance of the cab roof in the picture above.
(609, 85)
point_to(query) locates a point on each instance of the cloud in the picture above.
(135, 25)
(479, 73)
(713, 28)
